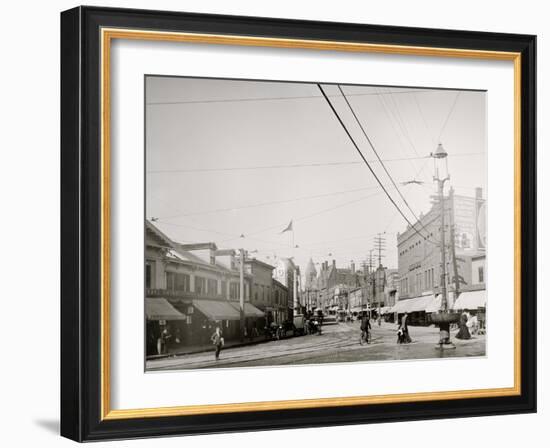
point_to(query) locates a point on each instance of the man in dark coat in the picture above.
(217, 341)
(365, 324)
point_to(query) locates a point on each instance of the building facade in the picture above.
(281, 302)
(190, 289)
(419, 259)
(288, 275)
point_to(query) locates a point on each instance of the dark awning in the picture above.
(249, 310)
(217, 309)
(225, 310)
(160, 309)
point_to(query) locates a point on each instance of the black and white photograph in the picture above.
(306, 223)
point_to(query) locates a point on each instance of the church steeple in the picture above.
(311, 274)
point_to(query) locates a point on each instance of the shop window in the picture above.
(234, 289)
(177, 281)
(148, 274)
(212, 287)
(480, 274)
(200, 285)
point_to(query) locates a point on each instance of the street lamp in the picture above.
(443, 318)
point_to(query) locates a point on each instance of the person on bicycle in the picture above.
(365, 325)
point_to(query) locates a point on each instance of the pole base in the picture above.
(445, 346)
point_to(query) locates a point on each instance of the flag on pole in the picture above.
(288, 228)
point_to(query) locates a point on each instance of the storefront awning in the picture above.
(415, 304)
(217, 309)
(160, 309)
(471, 300)
(224, 310)
(249, 310)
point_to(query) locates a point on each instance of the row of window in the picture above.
(178, 281)
(417, 243)
(422, 281)
(263, 293)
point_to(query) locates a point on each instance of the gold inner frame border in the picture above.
(107, 35)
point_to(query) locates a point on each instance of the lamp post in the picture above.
(443, 318)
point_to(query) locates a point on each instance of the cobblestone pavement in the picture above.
(338, 343)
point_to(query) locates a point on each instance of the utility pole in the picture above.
(294, 291)
(371, 279)
(380, 246)
(453, 243)
(443, 318)
(443, 276)
(241, 291)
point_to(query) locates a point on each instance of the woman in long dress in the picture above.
(463, 332)
(405, 328)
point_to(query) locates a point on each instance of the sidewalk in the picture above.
(192, 349)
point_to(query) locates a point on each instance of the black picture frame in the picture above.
(81, 224)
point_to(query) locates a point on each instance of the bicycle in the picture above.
(365, 337)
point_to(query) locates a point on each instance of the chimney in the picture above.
(479, 193)
(334, 264)
(352, 267)
(229, 253)
(212, 256)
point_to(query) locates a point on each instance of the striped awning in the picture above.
(161, 309)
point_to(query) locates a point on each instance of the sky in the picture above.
(234, 161)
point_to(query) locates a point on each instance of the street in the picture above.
(337, 343)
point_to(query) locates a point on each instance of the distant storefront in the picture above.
(191, 289)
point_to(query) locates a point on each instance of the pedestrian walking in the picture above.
(400, 337)
(365, 327)
(463, 332)
(405, 329)
(162, 341)
(217, 341)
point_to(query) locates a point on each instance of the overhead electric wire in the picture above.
(424, 120)
(380, 160)
(449, 115)
(277, 98)
(276, 226)
(296, 165)
(390, 115)
(317, 213)
(263, 204)
(404, 125)
(367, 163)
